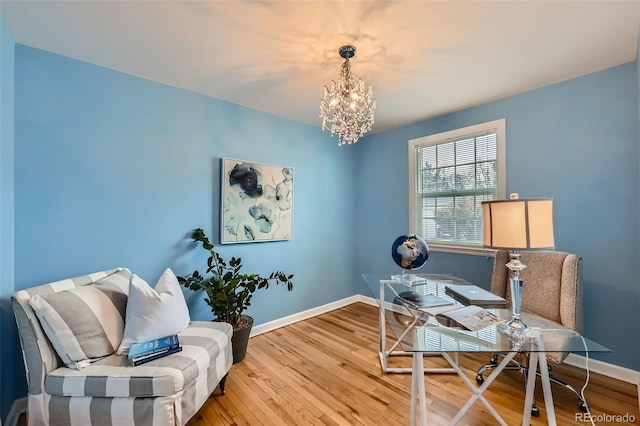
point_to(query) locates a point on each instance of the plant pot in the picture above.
(240, 338)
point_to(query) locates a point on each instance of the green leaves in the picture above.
(228, 291)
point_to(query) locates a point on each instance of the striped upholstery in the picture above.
(167, 391)
(39, 356)
(113, 376)
(85, 323)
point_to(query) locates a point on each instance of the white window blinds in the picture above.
(452, 176)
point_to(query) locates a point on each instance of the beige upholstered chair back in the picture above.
(552, 285)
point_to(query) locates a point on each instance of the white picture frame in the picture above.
(257, 202)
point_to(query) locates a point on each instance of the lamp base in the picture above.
(514, 328)
(517, 324)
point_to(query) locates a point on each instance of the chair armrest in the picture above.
(571, 313)
(31, 338)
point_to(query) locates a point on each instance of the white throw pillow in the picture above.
(153, 313)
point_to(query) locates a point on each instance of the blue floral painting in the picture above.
(257, 202)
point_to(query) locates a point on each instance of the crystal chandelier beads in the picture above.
(347, 108)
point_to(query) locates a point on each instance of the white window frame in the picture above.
(499, 127)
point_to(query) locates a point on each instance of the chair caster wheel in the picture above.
(582, 406)
(479, 379)
(535, 412)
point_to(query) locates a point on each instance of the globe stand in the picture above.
(403, 278)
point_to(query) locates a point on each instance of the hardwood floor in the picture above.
(325, 371)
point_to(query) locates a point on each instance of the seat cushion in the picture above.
(202, 343)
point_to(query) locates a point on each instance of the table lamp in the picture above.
(518, 224)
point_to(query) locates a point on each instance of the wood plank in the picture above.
(325, 371)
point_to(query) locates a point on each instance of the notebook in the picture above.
(474, 295)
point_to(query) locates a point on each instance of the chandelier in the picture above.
(347, 108)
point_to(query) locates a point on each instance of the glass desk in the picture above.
(426, 331)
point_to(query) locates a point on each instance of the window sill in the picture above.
(461, 249)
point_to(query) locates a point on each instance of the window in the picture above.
(450, 175)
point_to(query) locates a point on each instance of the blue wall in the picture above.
(111, 169)
(576, 141)
(8, 334)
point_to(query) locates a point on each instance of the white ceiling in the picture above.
(422, 58)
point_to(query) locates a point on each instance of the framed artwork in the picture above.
(257, 202)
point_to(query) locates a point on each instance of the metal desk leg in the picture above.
(382, 330)
(537, 360)
(477, 392)
(382, 333)
(417, 391)
(531, 386)
(544, 379)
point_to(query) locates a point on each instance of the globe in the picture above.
(410, 251)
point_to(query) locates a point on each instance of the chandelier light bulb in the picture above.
(347, 108)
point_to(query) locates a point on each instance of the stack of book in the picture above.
(142, 352)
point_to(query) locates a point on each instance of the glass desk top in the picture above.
(426, 330)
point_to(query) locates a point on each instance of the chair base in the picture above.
(524, 369)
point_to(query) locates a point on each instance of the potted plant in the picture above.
(229, 291)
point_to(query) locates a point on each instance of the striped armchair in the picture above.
(109, 391)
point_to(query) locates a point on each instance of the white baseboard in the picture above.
(613, 371)
(300, 316)
(596, 366)
(368, 300)
(600, 367)
(18, 407)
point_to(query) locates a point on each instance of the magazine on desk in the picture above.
(469, 317)
(417, 301)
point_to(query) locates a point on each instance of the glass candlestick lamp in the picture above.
(518, 224)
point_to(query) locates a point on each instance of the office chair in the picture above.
(553, 290)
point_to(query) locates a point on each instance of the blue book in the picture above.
(153, 346)
(146, 358)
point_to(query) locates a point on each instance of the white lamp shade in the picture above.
(518, 224)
